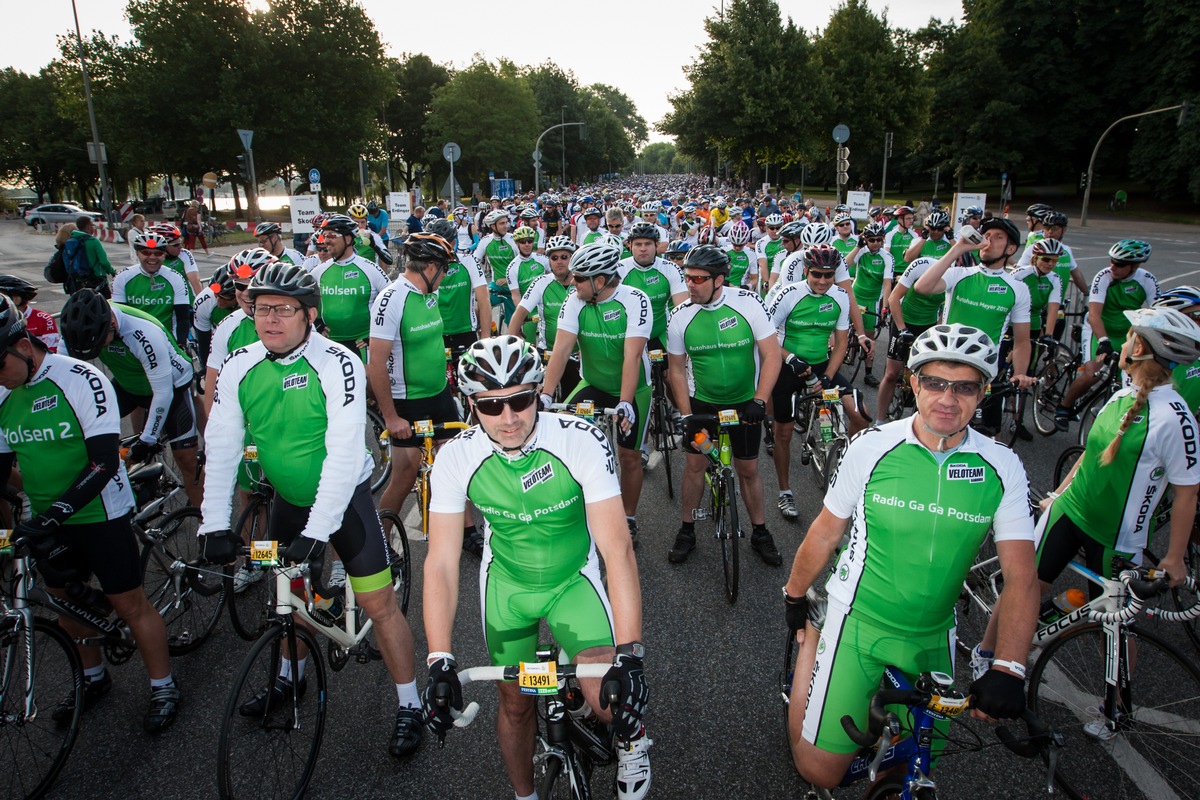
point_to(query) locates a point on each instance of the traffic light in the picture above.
(243, 168)
(1083, 180)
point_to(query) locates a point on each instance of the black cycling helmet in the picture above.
(340, 223)
(287, 280)
(643, 230)
(267, 228)
(372, 207)
(12, 323)
(222, 282)
(428, 247)
(85, 321)
(1000, 223)
(709, 258)
(1054, 219)
(14, 284)
(443, 228)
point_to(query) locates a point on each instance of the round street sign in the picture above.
(841, 134)
(451, 152)
(209, 180)
(314, 175)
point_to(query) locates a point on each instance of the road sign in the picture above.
(1003, 177)
(209, 180)
(314, 186)
(537, 164)
(841, 134)
(843, 177)
(91, 148)
(246, 136)
(314, 175)
(843, 164)
(537, 155)
(451, 152)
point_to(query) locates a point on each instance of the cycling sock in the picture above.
(158, 683)
(760, 529)
(533, 796)
(407, 692)
(285, 670)
(94, 673)
(688, 527)
(785, 492)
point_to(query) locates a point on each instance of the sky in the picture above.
(638, 47)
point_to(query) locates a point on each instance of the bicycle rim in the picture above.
(1066, 460)
(836, 449)
(401, 557)
(250, 609)
(191, 614)
(727, 532)
(1155, 751)
(38, 748)
(1055, 377)
(272, 755)
(381, 457)
(889, 788)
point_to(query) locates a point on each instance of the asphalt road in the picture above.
(716, 717)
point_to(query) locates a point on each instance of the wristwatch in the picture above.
(635, 649)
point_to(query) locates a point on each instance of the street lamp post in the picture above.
(562, 176)
(101, 156)
(537, 148)
(1087, 191)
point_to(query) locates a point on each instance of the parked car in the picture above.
(170, 210)
(57, 212)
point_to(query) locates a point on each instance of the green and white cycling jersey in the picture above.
(742, 264)
(1034, 237)
(456, 295)
(1186, 380)
(157, 294)
(1114, 504)
(721, 342)
(367, 245)
(534, 501)
(602, 329)
(47, 421)
(521, 274)
(805, 320)
(896, 241)
(919, 309)
(1065, 266)
(919, 519)
(1043, 290)
(1139, 290)
(183, 264)
(790, 269)
(844, 246)
(585, 235)
(412, 322)
(545, 297)
(307, 412)
(988, 299)
(145, 360)
(660, 281)
(870, 271)
(493, 255)
(290, 256)
(768, 248)
(233, 333)
(348, 288)
(206, 314)
(935, 249)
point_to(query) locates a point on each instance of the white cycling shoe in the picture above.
(633, 768)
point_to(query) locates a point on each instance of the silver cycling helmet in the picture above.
(1170, 334)
(498, 362)
(958, 343)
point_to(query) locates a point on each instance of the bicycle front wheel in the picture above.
(401, 557)
(1054, 378)
(1066, 460)
(1155, 750)
(272, 754)
(727, 533)
(249, 589)
(192, 612)
(664, 441)
(380, 450)
(37, 746)
(1186, 598)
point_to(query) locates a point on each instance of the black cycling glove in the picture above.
(443, 683)
(998, 694)
(634, 695)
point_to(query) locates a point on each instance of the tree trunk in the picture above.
(237, 201)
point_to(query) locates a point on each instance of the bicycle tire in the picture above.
(1087, 416)
(1055, 375)
(191, 613)
(1068, 679)
(978, 598)
(852, 363)
(39, 747)
(253, 753)
(250, 610)
(786, 676)
(833, 460)
(664, 440)
(401, 556)
(727, 533)
(1066, 460)
(381, 457)
(889, 787)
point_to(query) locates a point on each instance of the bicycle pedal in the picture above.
(699, 514)
(805, 459)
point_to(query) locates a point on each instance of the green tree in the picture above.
(415, 77)
(620, 104)
(655, 159)
(39, 147)
(558, 99)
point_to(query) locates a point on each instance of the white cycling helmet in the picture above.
(494, 217)
(816, 233)
(560, 243)
(773, 220)
(955, 342)
(598, 258)
(498, 362)
(1170, 334)
(739, 233)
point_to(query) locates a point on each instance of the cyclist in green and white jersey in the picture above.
(614, 224)
(303, 398)
(237, 330)
(270, 238)
(900, 236)
(547, 489)
(743, 262)
(912, 313)
(149, 369)
(1067, 268)
(212, 305)
(845, 240)
(722, 354)
(531, 218)
(611, 323)
(462, 294)
(659, 279)
(919, 496)
(770, 246)
(349, 284)
(1045, 292)
(368, 244)
(874, 270)
(591, 229)
(58, 417)
(1033, 221)
(650, 210)
(545, 298)
(524, 269)
(988, 297)
(1185, 377)
(179, 259)
(933, 241)
(494, 253)
(1124, 285)
(159, 292)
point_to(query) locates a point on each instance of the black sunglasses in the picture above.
(494, 406)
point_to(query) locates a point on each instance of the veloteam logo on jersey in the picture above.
(727, 323)
(825, 307)
(295, 382)
(612, 316)
(997, 288)
(350, 274)
(963, 472)
(539, 475)
(45, 403)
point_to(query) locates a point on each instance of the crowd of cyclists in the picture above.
(556, 298)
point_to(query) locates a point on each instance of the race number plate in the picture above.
(262, 552)
(656, 356)
(5, 538)
(727, 416)
(947, 706)
(448, 356)
(585, 409)
(423, 427)
(250, 453)
(538, 678)
(830, 395)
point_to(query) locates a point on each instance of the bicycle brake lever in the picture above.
(891, 728)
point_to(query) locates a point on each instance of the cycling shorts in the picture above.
(897, 349)
(1059, 539)
(852, 654)
(989, 415)
(460, 340)
(870, 314)
(788, 385)
(439, 408)
(641, 405)
(109, 550)
(360, 541)
(179, 428)
(744, 439)
(577, 612)
(1088, 342)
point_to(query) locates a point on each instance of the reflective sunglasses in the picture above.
(821, 274)
(494, 406)
(936, 385)
(698, 279)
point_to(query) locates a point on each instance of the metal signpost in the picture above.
(452, 152)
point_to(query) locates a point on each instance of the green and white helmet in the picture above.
(1134, 250)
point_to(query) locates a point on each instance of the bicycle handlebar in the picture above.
(570, 408)
(309, 571)
(510, 673)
